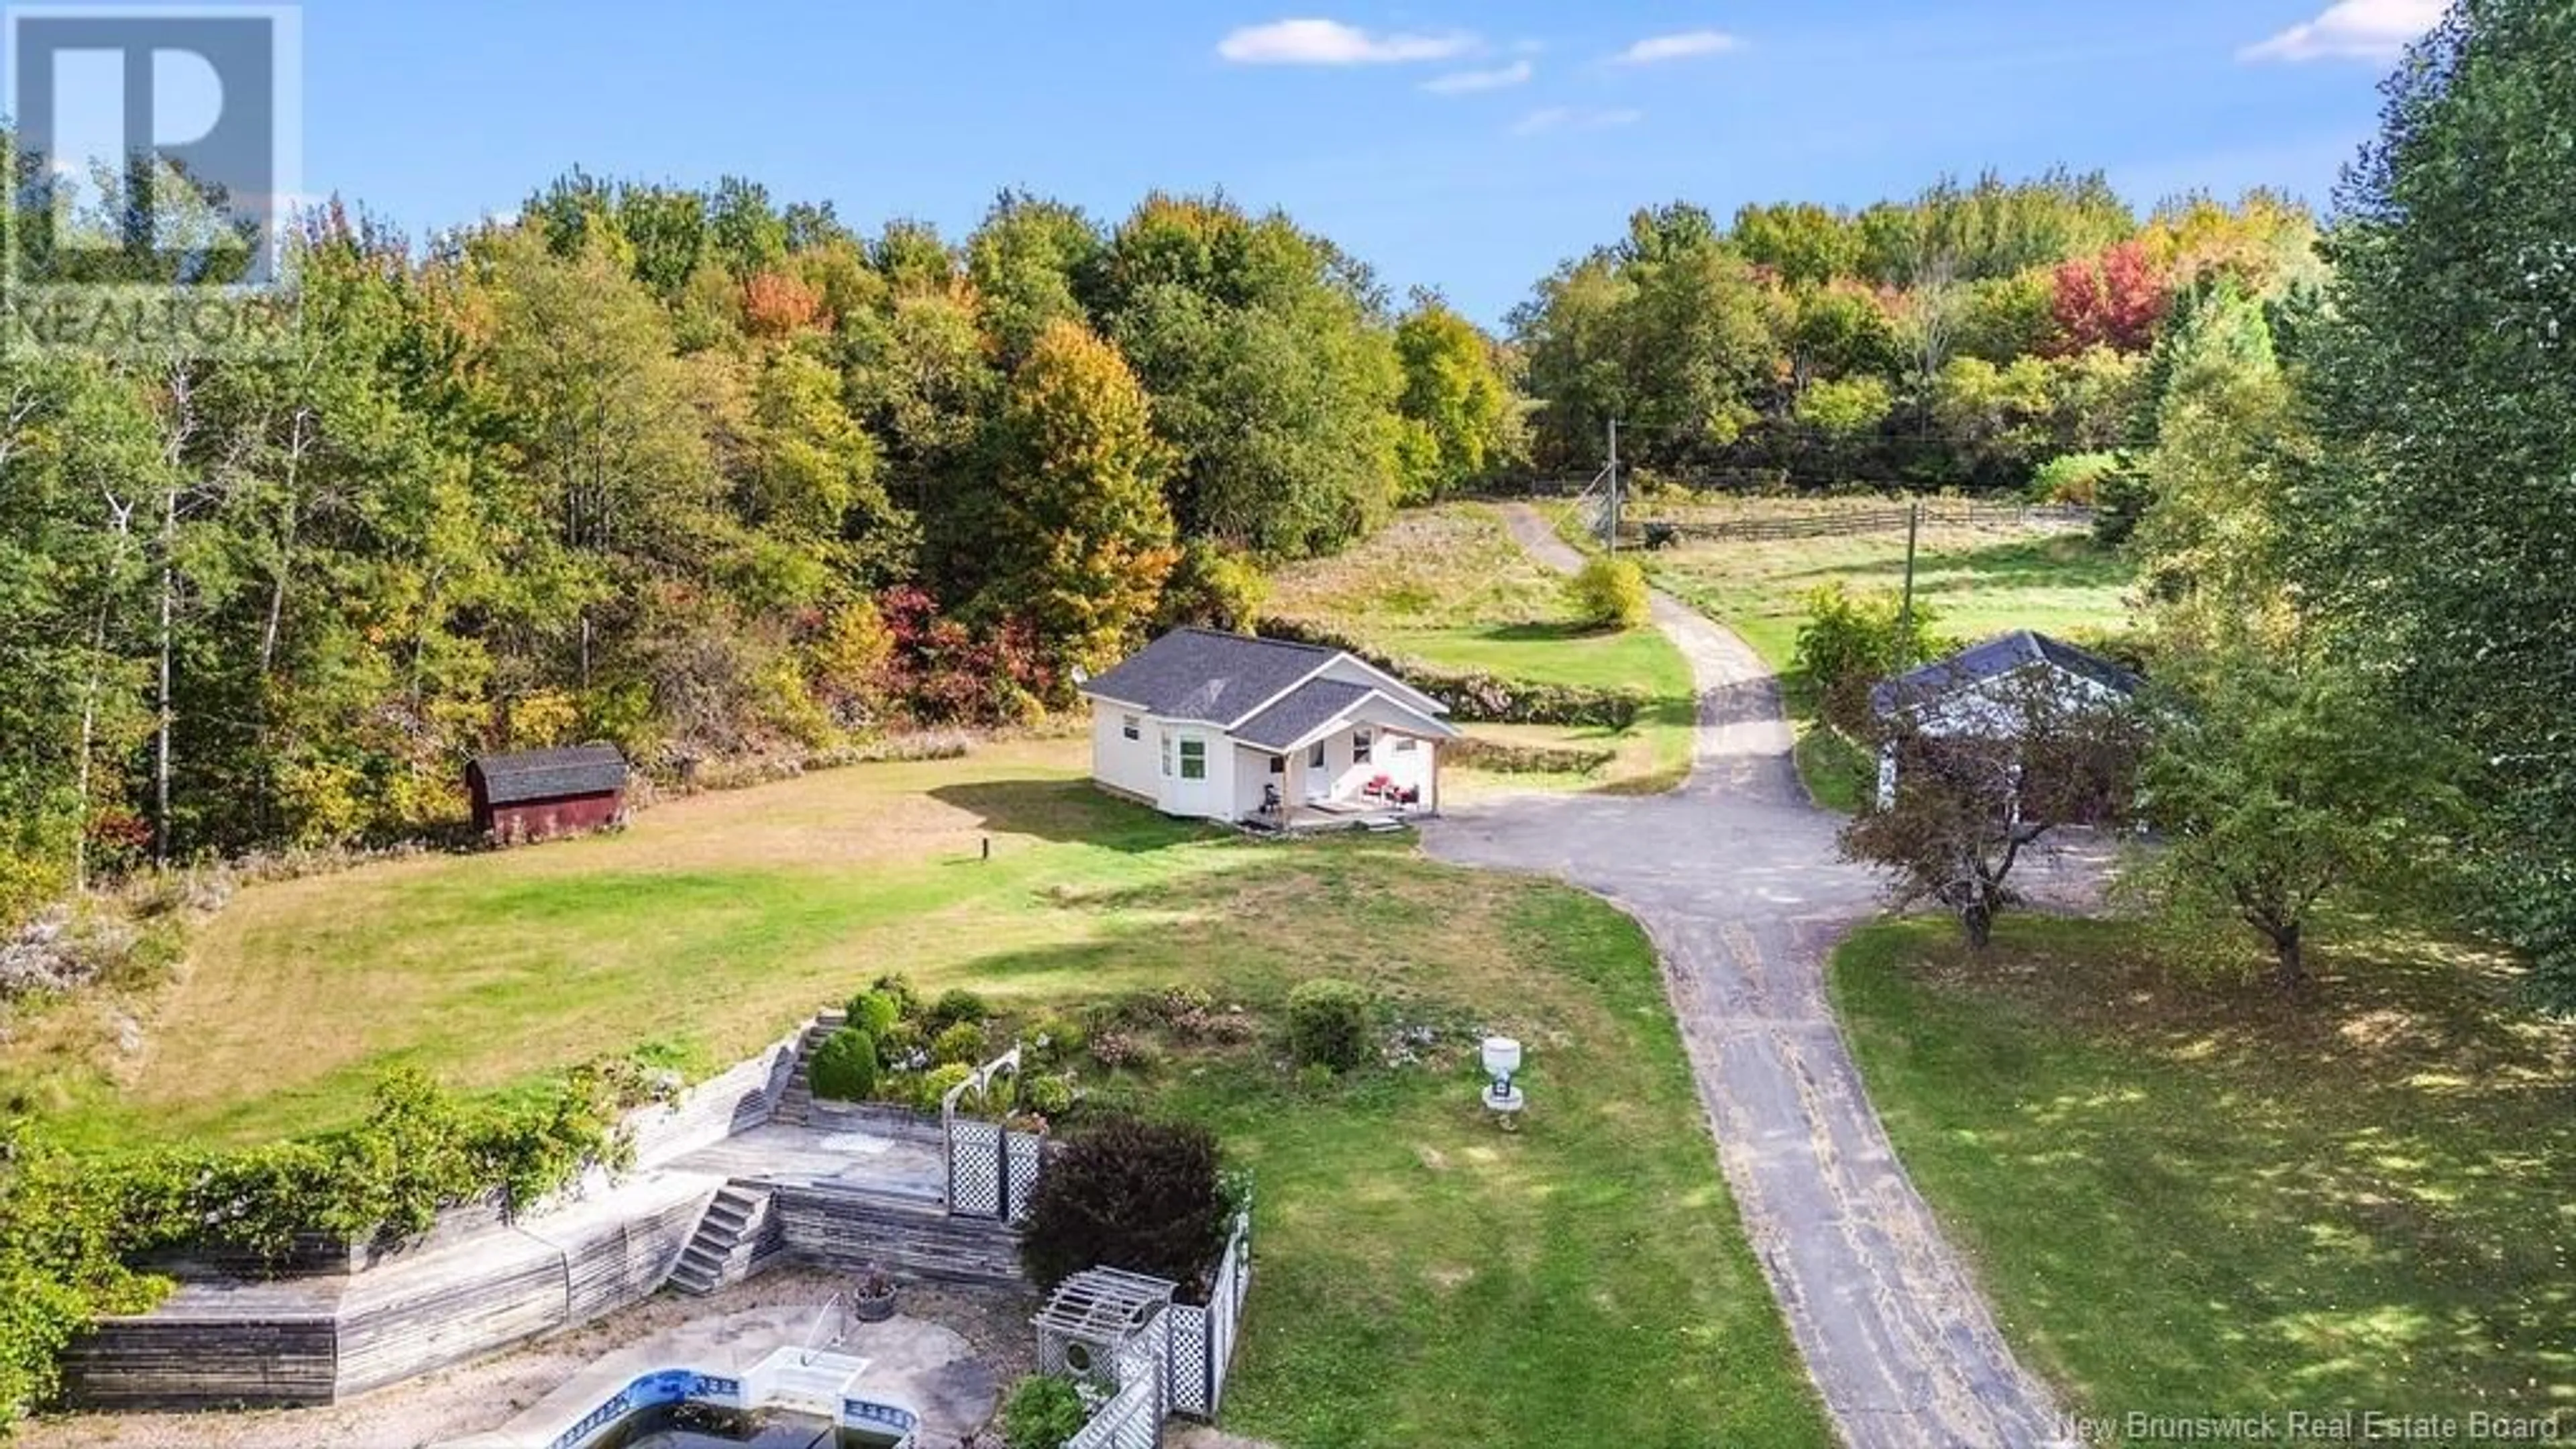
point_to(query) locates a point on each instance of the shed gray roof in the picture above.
(1308, 705)
(515, 779)
(1997, 658)
(1204, 675)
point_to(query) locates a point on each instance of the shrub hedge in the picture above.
(844, 1068)
(1476, 697)
(1505, 758)
(74, 1226)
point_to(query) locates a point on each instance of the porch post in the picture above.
(1292, 792)
(1431, 786)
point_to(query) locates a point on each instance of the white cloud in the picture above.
(1683, 46)
(1460, 82)
(1573, 118)
(2351, 30)
(1330, 42)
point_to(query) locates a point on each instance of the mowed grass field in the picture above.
(1978, 582)
(2197, 1199)
(1448, 586)
(1424, 1277)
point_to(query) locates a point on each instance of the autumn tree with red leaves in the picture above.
(2114, 299)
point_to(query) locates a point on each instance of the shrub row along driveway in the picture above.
(1735, 877)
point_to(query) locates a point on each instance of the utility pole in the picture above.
(1905, 610)
(1614, 485)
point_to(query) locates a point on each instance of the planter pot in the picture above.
(872, 1310)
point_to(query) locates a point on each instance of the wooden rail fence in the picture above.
(1837, 523)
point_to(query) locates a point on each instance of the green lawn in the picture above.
(1978, 582)
(2200, 1199)
(1424, 1278)
(1448, 586)
(1427, 1279)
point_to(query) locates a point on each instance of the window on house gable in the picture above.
(1359, 747)
(1129, 726)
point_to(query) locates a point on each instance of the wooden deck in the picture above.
(1324, 816)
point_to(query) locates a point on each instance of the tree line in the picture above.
(1962, 338)
(687, 470)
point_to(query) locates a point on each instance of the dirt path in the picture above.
(1735, 877)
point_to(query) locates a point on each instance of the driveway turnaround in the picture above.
(1735, 877)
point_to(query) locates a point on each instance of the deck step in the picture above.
(726, 1246)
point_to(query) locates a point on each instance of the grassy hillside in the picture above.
(1449, 587)
(2191, 1199)
(1978, 581)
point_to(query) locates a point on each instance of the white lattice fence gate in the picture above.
(1132, 1419)
(1023, 1155)
(975, 1184)
(984, 1165)
(1203, 1338)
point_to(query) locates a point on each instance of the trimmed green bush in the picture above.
(963, 1042)
(1608, 593)
(1148, 1197)
(844, 1068)
(875, 1012)
(1047, 1096)
(1328, 1023)
(937, 1082)
(954, 1006)
(1042, 1411)
(1851, 641)
(897, 987)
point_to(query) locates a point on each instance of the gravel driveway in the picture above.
(1735, 877)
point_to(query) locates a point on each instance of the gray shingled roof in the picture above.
(1308, 705)
(1997, 658)
(515, 779)
(1204, 675)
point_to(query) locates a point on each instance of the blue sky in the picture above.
(1465, 144)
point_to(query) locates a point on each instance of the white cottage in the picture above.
(1980, 691)
(1217, 726)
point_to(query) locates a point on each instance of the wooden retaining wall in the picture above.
(318, 1340)
(737, 1099)
(847, 1228)
(180, 1363)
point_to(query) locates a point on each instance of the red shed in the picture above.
(536, 793)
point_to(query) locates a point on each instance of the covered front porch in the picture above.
(1376, 769)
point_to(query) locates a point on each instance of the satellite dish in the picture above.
(1081, 675)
